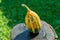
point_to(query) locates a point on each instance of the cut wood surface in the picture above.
(20, 32)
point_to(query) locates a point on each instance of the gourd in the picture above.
(32, 21)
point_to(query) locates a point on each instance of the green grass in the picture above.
(12, 13)
(0, 1)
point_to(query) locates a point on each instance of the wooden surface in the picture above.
(20, 32)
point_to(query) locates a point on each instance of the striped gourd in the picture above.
(32, 21)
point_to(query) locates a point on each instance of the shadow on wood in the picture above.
(25, 36)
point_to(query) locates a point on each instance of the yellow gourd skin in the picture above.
(32, 20)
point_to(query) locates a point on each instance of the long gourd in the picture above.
(32, 20)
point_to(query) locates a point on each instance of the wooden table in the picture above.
(20, 32)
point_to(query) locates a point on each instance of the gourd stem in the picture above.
(26, 6)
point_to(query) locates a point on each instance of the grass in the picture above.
(0, 1)
(48, 10)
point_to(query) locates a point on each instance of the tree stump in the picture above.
(20, 32)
